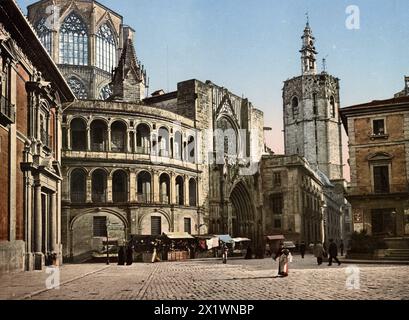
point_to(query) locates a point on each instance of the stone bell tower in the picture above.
(312, 126)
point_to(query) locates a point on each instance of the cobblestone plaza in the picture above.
(211, 280)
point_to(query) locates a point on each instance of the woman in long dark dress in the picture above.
(129, 255)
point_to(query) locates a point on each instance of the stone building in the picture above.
(86, 40)
(178, 161)
(313, 148)
(32, 92)
(378, 145)
(292, 198)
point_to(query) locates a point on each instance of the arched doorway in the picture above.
(242, 212)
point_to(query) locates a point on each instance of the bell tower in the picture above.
(312, 126)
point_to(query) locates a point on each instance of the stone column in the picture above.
(89, 189)
(109, 140)
(172, 188)
(128, 141)
(68, 131)
(186, 190)
(53, 221)
(155, 187)
(39, 257)
(132, 186)
(88, 147)
(108, 191)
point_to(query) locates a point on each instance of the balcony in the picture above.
(120, 197)
(144, 198)
(99, 197)
(78, 197)
(142, 150)
(7, 111)
(372, 191)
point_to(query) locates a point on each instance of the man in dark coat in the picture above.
(333, 252)
(129, 255)
(121, 256)
(302, 249)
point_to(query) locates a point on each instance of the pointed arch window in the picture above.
(74, 41)
(294, 106)
(106, 48)
(44, 34)
(105, 92)
(78, 88)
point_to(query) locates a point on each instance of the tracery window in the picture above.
(105, 92)
(44, 34)
(106, 48)
(78, 88)
(74, 41)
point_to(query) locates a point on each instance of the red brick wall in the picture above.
(19, 192)
(22, 103)
(4, 184)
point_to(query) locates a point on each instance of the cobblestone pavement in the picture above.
(211, 280)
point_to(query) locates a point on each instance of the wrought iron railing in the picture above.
(78, 197)
(120, 197)
(378, 190)
(99, 197)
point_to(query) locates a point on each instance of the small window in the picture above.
(314, 104)
(156, 226)
(294, 106)
(333, 108)
(379, 127)
(277, 203)
(277, 179)
(100, 226)
(188, 225)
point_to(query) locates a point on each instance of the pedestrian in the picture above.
(333, 252)
(249, 253)
(225, 250)
(341, 247)
(121, 256)
(129, 255)
(319, 252)
(302, 249)
(283, 255)
(155, 252)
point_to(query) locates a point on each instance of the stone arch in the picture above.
(145, 225)
(243, 211)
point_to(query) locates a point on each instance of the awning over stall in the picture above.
(225, 238)
(241, 240)
(178, 235)
(276, 237)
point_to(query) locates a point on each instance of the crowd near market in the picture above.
(182, 246)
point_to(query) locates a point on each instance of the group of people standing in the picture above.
(320, 252)
(125, 255)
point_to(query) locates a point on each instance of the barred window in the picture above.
(78, 88)
(100, 226)
(44, 34)
(74, 41)
(106, 48)
(156, 226)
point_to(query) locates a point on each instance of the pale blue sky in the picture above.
(251, 47)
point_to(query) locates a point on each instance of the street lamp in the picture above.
(107, 232)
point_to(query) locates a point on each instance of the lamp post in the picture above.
(323, 223)
(107, 232)
(395, 223)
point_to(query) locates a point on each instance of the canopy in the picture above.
(276, 237)
(178, 235)
(241, 240)
(225, 238)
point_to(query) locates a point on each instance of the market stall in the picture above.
(178, 246)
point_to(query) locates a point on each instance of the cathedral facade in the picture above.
(183, 161)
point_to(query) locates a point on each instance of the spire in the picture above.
(129, 78)
(308, 52)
